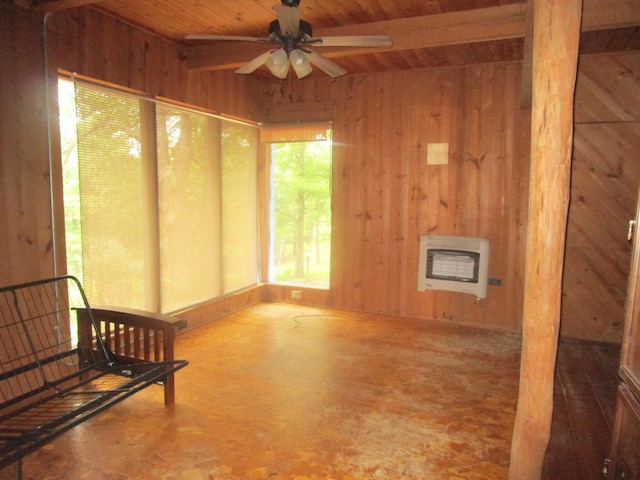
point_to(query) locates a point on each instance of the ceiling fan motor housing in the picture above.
(290, 3)
(288, 43)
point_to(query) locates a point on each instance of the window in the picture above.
(160, 201)
(300, 205)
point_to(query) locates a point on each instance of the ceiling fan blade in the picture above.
(326, 65)
(289, 20)
(229, 37)
(254, 64)
(376, 41)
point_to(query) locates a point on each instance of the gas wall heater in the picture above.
(457, 264)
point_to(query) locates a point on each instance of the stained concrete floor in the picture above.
(284, 392)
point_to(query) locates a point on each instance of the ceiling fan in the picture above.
(294, 37)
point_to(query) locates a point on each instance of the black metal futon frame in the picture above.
(62, 362)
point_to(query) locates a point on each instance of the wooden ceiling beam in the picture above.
(609, 14)
(455, 28)
(469, 26)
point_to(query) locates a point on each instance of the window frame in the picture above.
(281, 134)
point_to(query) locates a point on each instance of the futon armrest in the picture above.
(136, 318)
(133, 335)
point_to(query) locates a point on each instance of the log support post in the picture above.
(556, 35)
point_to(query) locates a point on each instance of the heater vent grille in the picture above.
(458, 264)
(454, 265)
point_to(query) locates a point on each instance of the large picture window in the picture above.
(160, 203)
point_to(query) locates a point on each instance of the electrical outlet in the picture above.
(296, 293)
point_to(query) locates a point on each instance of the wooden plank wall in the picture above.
(375, 151)
(385, 195)
(100, 47)
(25, 213)
(605, 178)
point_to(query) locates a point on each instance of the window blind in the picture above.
(168, 201)
(113, 200)
(289, 133)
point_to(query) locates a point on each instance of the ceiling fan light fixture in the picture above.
(300, 63)
(278, 63)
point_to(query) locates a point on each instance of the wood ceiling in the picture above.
(425, 33)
